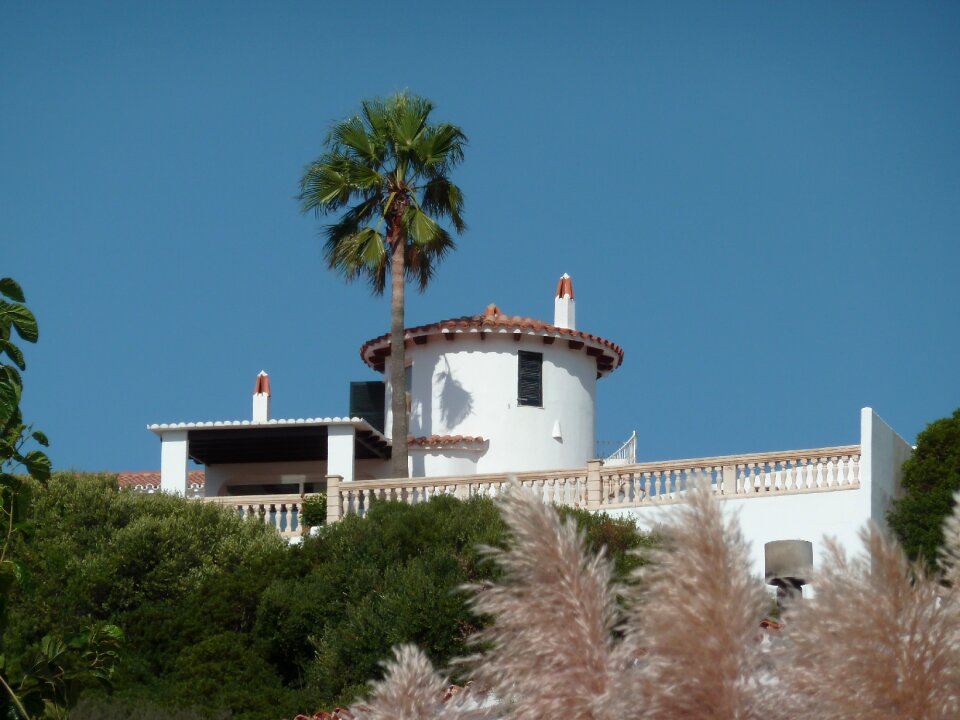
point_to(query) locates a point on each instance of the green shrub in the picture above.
(313, 510)
(223, 619)
(620, 536)
(930, 478)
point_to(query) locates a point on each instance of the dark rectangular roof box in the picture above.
(367, 399)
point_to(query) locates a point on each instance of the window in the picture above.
(530, 379)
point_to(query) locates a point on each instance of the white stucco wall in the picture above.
(884, 453)
(174, 455)
(838, 514)
(469, 387)
(373, 469)
(218, 477)
(440, 462)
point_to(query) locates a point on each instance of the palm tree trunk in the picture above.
(398, 380)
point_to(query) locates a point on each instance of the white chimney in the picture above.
(564, 307)
(261, 398)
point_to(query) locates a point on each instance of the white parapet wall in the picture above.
(174, 454)
(803, 495)
(827, 510)
(884, 453)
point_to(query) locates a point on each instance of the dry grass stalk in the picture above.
(692, 634)
(410, 690)
(875, 642)
(879, 640)
(549, 646)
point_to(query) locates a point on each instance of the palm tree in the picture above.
(385, 172)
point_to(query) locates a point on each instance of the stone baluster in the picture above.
(334, 501)
(728, 484)
(594, 485)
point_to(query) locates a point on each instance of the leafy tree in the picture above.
(14, 434)
(930, 478)
(50, 682)
(386, 173)
(61, 669)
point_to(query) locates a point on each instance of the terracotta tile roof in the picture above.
(446, 440)
(151, 477)
(609, 355)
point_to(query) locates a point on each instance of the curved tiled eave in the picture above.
(526, 331)
(446, 442)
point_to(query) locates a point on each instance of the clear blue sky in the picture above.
(760, 202)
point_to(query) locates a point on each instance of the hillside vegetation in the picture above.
(223, 619)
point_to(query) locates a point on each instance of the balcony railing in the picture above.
(279, 511)
(596, 487)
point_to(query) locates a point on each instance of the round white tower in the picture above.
(493, 393)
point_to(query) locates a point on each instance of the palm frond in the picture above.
(442, 198)
(408, 122)
(440, 147)
(330, 182)
(421, 260)
(351, 221)
(421, 228)
(361, 254)
(352, 138)
(377, 116)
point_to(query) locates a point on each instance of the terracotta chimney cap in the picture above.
(565, 287)
(263, 384)
(492, 311)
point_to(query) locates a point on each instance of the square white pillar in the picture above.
(173, 462)
(340, 442)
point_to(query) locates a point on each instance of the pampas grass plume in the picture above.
(692, 637)
(548, 649)
(410, 690)
(877, 640)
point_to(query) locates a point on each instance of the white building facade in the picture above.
(497, 393)
(494, 399)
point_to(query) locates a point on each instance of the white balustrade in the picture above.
(595, 488)
(731, 476)
(281, 512)
(560, 488)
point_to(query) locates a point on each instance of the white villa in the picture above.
(493, 397)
